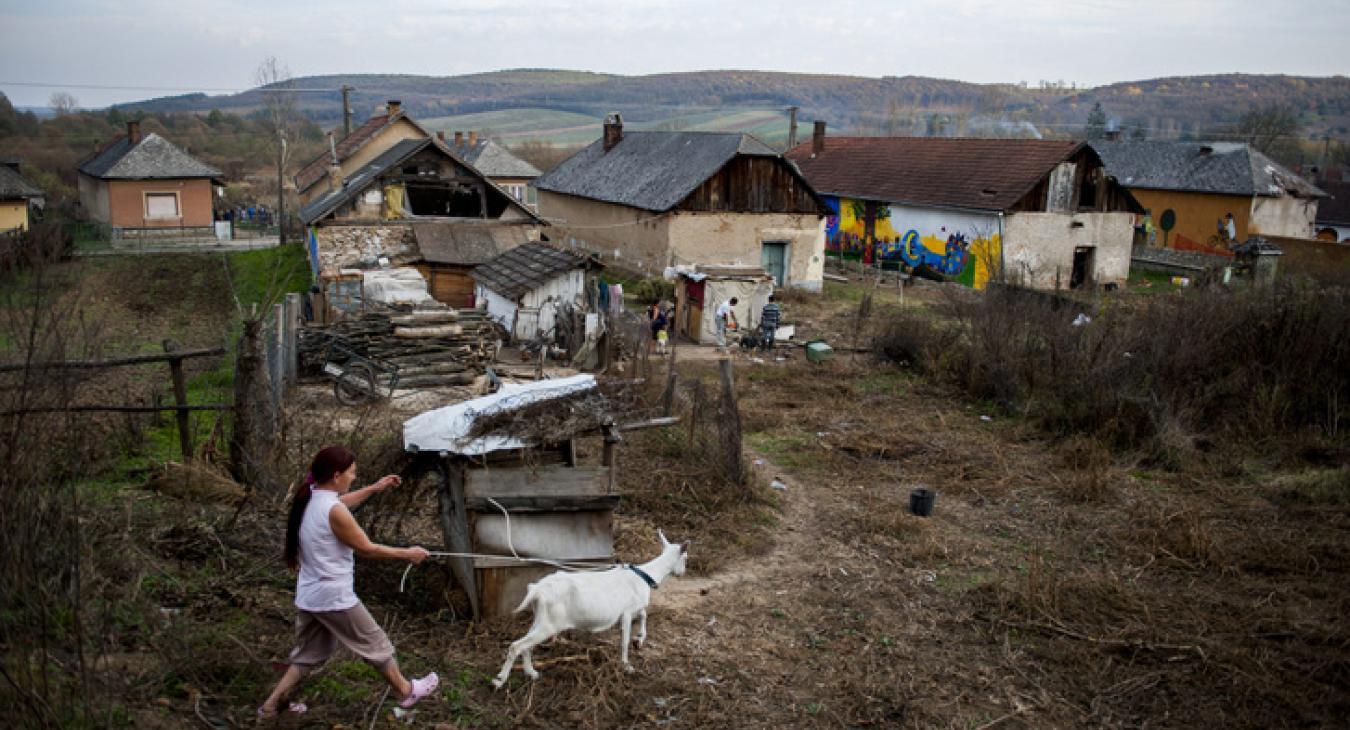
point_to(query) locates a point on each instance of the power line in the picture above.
(109, 87)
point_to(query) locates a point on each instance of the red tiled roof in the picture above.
(318, 167)
(984, 174)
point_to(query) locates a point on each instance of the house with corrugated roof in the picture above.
(414, 204)
(649, 201)
(146, 185)
(1042, 211)
(511, 173)
(17, 196)
(529, 287)
(1191, 188)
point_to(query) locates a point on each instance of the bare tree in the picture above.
(1272, 129)
(279, 109)
(63, 103)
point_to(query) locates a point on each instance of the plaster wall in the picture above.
(1038, 248)
(1284, 215)
(13, 214)
(738, 239)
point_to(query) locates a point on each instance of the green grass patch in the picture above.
(789, 450)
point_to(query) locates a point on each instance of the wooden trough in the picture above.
(499, 499)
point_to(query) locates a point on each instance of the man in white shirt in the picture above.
(725, 312)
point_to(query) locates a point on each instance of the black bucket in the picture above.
(921, 501)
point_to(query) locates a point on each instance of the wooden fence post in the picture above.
(254, 418)
(730, 418)
(180, 400)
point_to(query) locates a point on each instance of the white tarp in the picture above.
(395, 286)
(447, 428)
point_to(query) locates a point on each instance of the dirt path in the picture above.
(790, 556)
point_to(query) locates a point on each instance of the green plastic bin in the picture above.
(818, 351)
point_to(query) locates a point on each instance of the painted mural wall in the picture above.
(965, 247)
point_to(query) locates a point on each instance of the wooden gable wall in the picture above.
(752, 184)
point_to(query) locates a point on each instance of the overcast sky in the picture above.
(208, 45)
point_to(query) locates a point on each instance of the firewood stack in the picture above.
(431, 347)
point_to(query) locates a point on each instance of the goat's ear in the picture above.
(664, 541)
(684, 547)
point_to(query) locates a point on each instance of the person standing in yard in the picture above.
(724, 313)
(658, 326)
(768, 323)
(321, 539)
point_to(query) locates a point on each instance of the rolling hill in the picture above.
(564, 106)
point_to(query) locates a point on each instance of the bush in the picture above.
(1149, 375)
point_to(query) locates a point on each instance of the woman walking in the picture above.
(321, 539)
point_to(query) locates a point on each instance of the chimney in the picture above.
(459, 139)
(334, 177)
(1113, 135)
(792, 127)
(613, 130)
(473, 138)
(133, 132)
(394, 106)
(332, 150)
(818, 138)
(440, 134)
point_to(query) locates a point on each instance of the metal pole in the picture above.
(281, 187)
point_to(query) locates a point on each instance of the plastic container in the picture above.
(921, 501)
(818, 351)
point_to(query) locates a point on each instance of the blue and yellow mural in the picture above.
(964, 247)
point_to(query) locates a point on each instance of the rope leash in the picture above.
(571, 566)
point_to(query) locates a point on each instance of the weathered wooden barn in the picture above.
(526, 289)
(415, 204)
(652, 200)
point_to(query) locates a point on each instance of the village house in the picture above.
(1189, 189)
(653, 200)
(1333, 212)
(509, 172)
(144, 185)
(414, 204)
(17, 196)
(1043, 211)
(357, 148)
(528, 288)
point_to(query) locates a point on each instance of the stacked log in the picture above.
(430, 347)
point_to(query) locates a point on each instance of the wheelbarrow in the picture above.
(357, 378)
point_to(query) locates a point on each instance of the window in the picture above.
(161, 205)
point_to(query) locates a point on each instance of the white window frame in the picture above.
(177, 205)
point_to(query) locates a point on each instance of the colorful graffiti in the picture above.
(964, 247)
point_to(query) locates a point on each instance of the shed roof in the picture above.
(525, 267)
(317, 168)
(1226, 168)
(467, 244)
(14, 186)
(492, 159)
(649, 170)
(153, 157)
(981, 174)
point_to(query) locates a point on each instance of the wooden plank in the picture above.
(96, 364)
(455, 525)
(551, 503)
(549, 481)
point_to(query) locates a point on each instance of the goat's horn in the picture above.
(662, 535)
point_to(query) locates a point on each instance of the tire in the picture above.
(356, 385)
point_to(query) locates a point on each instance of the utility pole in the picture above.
(281, 187)
(792, 127)
(346, 110)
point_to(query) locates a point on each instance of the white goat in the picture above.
(594, 602)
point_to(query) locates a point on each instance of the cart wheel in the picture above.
(356, 385)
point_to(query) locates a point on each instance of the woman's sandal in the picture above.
(420, 688)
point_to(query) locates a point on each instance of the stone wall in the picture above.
(342, 247)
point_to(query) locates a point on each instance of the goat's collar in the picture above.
(643, 575)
